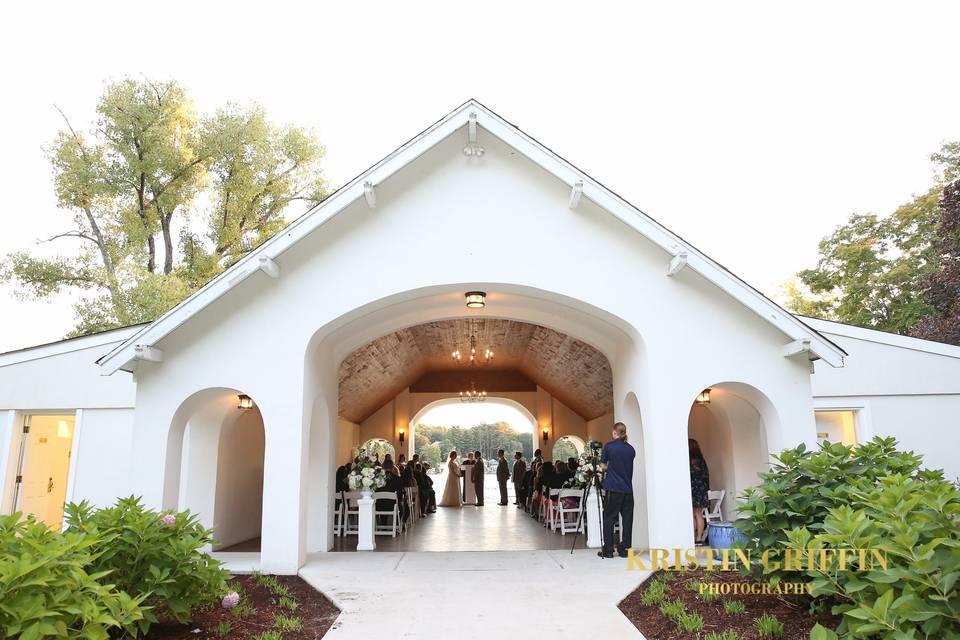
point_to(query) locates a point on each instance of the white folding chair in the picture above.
(393, 513)
(564, 522)
(351, 525)
(552, 498)
(339, 506)
(712, 512)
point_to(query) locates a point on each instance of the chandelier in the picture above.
(473, 358)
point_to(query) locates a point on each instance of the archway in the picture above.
(215, 465)
(379, 449)
(567, 447)
(732, 423)
(388, 329)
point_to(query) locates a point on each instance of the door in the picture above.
(45, 467)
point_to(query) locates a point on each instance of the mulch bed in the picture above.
(317, 613)
(792, 611)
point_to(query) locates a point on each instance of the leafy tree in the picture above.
(870, 269)
(941, 288)
(150, 164)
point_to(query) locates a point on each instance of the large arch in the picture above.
(332, 343)
(632, 417)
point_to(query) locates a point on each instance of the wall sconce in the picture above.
(401, 436)
(245, 402)
(476, 299)
(703, 397)
(546, 434)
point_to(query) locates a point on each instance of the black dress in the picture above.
(699, 482)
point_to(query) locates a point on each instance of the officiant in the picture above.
(468, 496)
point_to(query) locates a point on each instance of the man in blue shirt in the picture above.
(617, 459)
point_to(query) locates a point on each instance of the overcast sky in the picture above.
(751, 129)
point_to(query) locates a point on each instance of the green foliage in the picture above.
(146, 556)
(224, 627)
(655, 592)
(734, 607)
(484, 437)
(287, 624)
(689, 622)
(288, 603)
(46, 589)
(268, 635)
(802, 486)
(729, 634)
(914, 523)
(150, 166)
(820, 632)
(941, 288)
(673, 609)
(707, 595)
(768, 626)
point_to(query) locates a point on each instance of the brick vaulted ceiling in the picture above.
(572, 371)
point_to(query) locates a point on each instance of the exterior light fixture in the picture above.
(703, 397)
(401, 436)
(476, 299)
(245, 402)
(546, 434)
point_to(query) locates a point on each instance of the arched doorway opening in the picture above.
(732, 423)
(215, 465)
(379, 449)
(567, 447)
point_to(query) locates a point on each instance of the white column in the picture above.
(7, 461)
(366, 540)
(594, 524)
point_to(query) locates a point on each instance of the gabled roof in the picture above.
(123, 355)
(67, 345)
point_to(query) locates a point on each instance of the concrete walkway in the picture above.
(486, 594)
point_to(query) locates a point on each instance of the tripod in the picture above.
(595, 484)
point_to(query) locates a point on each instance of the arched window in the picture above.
(379, 448)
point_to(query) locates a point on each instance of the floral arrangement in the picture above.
(366, 475)
(588, 467)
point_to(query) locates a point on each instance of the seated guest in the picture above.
(395, 485)
(572, 464)
(342, 473)
(428, 496)
(559, 476)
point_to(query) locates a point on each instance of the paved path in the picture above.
(495, 594)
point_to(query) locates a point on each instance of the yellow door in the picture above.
(45, 467)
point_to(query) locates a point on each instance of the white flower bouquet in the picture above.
(366, 475)
(589, 466)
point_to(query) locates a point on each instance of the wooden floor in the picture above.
(468, 528)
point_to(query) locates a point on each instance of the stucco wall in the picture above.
(103, 464)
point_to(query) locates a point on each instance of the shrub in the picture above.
(803, 486)
(287, 624)
(914, 523)
(288, 603)
(729, 634)
(734, 606)
(768, 626)
(673, 609)
(655, 593)
(689, 622)
(47, 591)
(149, 553)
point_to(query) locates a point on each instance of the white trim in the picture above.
(122, 356)
(883, 337)
(6, 449)
(116, 336)
(74, 457)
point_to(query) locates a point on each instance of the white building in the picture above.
(341, 329)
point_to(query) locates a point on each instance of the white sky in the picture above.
(749, 128)
(468, 415)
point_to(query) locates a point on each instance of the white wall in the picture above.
(103, 463)
(239, 501)
(898, 386)
(348, 439)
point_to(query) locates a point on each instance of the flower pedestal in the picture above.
(594, 526)
(365, 537)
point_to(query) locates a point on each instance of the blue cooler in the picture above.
(722, 535)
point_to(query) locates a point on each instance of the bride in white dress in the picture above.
(451, 492)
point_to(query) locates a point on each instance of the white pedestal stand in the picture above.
(594, 526)
(365, 537)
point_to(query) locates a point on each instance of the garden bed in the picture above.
(792, 612)
(270, 608)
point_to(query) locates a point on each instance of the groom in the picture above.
(477, 476)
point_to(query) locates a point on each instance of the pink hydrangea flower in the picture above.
(168, 520)
(230, 600)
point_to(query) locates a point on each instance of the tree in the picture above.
(869, 269)
(149, 164)
(941, 288)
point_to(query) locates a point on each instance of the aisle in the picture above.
(472, 528)
(426, 595)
